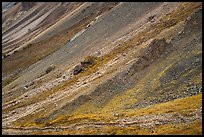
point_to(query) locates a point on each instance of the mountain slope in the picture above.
(117, 68)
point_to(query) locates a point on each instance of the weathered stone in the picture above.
(77, 69)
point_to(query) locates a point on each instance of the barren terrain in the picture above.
(102, 68)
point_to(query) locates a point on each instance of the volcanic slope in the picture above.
(121, 68)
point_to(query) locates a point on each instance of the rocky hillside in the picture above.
(102, 68)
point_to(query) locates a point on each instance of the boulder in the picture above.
(88, 62)
(77, 69)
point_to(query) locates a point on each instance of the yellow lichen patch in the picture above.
(56, 120)
(183, 106)
(33, 124)
(164, 71)
(196, 52)
(194, 128)
(178, 105)
(189, 72)
(87, 107)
